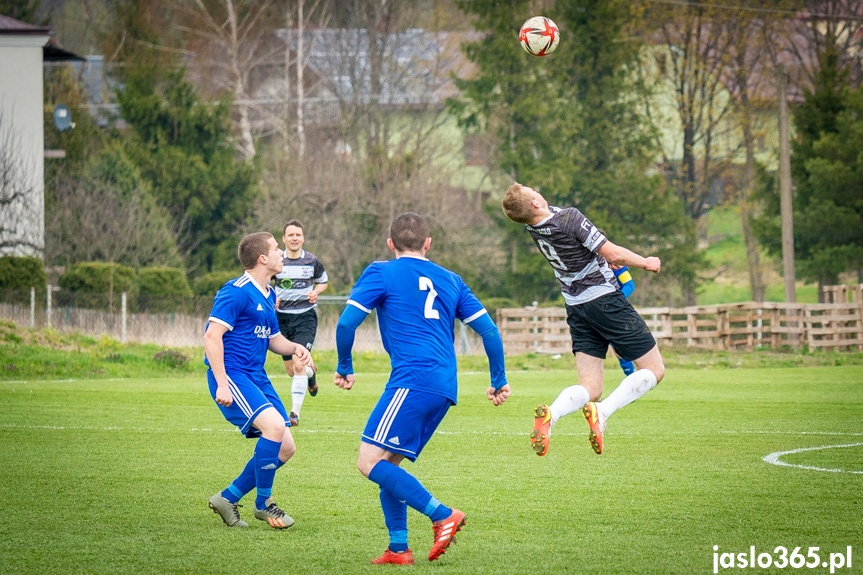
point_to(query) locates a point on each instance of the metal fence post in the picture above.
(465, 344)
(32, 307)
(48, 303)
(123, 318)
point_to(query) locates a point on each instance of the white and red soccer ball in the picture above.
(539, 36)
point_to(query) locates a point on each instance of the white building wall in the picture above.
(22, 137)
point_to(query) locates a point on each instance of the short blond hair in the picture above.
(516, 204)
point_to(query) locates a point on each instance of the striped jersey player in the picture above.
(597, 312)
(298, 285)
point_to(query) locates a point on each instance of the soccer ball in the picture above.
(539, 36)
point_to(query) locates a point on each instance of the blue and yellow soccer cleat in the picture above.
(541, 433)
(596, 421)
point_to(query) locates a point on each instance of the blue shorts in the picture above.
(404, 420)
(250, 399)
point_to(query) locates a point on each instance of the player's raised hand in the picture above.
(344, 381)
(497, 397)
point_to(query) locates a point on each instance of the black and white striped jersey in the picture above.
(569, 241)
(296, 280)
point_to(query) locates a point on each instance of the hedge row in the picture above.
(94, 284)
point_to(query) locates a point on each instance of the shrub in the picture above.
(208, 284)
(163, 289)
(171, 358)
(18, 275)
(92, 282)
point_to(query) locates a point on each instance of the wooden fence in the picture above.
(740, 326)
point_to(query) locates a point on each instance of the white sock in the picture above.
(570, 400)
(298, 392)
(631, 388)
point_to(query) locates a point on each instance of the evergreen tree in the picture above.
(568, 126)
(182, 147)
(828, 173)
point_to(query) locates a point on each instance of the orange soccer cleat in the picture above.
(597, 425)
(444, 532)
(541, 433)
(393, 558)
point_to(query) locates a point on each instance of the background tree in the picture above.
(749, 65)
(828, 172)
(391, 149)
(183, 149)
(109, 214)
(229, 40)
(20, 196)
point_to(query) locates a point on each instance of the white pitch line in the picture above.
(773, 458)
(441, 432)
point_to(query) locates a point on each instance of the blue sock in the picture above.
(396, 519)
(401, 485)
(627, 366)
(266, 462)
(244, 483)
(436, 511)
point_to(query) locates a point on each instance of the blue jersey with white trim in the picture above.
(418, 302)
(249, 312)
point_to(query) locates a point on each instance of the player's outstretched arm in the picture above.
(346, 329)
(619, 255)
(499, 389)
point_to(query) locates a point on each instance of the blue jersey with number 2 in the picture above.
(418, 302)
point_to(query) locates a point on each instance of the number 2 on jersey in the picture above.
(429, 311)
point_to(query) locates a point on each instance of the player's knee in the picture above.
(272, 428)
(364, 466)
(288, 449)
(659, 372)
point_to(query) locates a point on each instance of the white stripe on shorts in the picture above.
(239, 399)
(390, 414)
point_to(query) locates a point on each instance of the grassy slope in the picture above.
(100, 476)
(727, 256)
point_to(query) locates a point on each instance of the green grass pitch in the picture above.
(113, 476)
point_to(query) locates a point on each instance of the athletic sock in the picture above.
(266, 463)
(298, 392)
(570, 400)
(396, 519)
(244, 483)
(627, 366)
(631, 388)
(403, 486)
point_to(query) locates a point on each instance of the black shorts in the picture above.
(609, 319)
(300, 328)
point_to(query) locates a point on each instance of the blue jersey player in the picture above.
(627, 286)
(417, 302)
(240, 330)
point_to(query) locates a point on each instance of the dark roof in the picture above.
(12, 26)
(54, 52)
